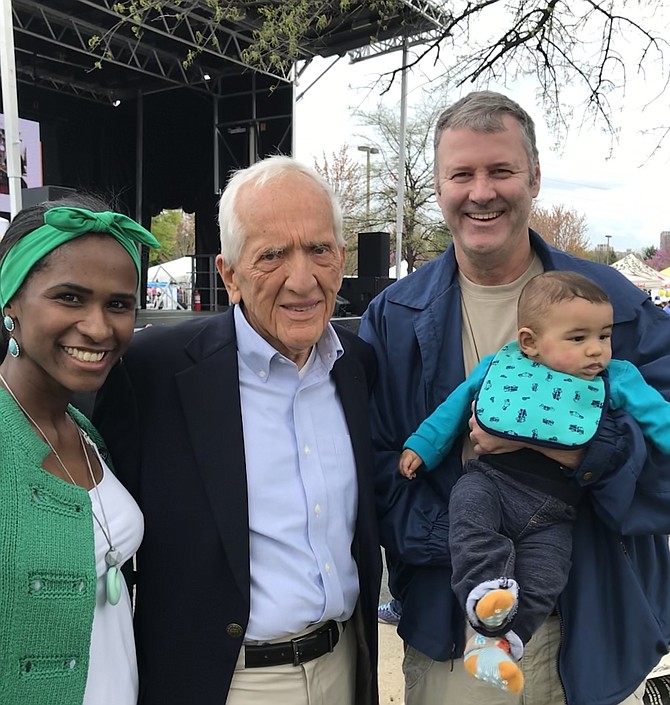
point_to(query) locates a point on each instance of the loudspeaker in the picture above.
(359, 291)
(374, 251)
(39, 194)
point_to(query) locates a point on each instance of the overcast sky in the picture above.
(622, 190)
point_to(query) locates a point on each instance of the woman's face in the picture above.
(74, 317)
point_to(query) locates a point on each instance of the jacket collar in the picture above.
(420, 293)
(213, 337)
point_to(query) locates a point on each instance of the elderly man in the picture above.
(612, 622)
(244, 438)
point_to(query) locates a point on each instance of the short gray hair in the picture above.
(269, 169)
(483, 111)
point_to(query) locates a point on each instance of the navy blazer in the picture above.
(170, 415)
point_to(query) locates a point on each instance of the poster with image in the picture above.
(31, 158)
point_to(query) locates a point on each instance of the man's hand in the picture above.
(485, 444)
(409, 463)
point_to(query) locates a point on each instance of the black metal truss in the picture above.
(428, 10)
(69, 33)
(184, 26)
(53, 45)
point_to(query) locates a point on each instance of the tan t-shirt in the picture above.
(489, 320)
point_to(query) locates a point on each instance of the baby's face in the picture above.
(576, 338)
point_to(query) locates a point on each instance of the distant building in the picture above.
(665, 240)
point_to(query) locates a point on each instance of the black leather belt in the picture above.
(297, 651)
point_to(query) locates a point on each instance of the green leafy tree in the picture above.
(175, 230)
(648, 253)
(280, 29)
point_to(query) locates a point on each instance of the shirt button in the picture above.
(234, 630)
(327, 567)
(72, 663)
(308, 450)
(588, 476)
(262, 374)
(317, 509)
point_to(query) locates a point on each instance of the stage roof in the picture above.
(52, 41)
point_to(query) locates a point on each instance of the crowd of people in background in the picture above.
(662, 302)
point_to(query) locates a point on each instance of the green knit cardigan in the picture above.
(47, 570)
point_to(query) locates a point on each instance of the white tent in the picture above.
(179, 271)
(640, 274)
(169, 284)
(403, 270)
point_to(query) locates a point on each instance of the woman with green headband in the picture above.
(69, 272)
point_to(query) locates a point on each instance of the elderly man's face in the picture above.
(290, 268)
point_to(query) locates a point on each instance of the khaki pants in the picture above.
(429, 682)
(326, 680)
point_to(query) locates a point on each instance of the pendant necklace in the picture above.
(113, 556)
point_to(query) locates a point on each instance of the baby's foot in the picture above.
(494, 607)
(488, 659)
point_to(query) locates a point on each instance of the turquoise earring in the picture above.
(12, 346)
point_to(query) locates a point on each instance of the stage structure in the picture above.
(149, 133)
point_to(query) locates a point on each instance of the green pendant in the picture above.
(113, 585)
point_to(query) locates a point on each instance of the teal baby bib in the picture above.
(526, 400)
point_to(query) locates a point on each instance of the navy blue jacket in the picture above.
(615, 610)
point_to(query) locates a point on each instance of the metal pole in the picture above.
(294, 102)
(607, 237)
(215, 146)
(10, 102)
(368, 151)
(139, 157)
(139, 193)
(400, 204)
(367, 186)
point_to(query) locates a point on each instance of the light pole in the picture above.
(368, 151)
(607, 237)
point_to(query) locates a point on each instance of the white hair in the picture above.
(258, 174)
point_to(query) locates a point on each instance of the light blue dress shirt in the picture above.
(301, 480)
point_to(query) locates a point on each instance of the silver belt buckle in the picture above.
(296, 651)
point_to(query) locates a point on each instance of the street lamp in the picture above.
(607, 237)
(368, 151)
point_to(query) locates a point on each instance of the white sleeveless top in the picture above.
(112, 672)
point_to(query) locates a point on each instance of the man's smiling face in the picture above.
(485, 188)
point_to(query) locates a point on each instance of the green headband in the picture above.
(62, 225)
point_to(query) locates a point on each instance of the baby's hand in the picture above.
(409, 463)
